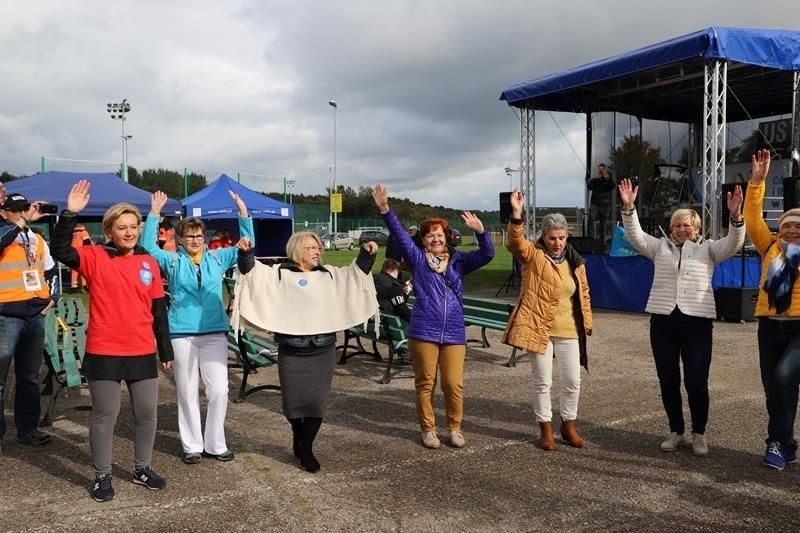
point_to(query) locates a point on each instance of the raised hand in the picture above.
(760, 166)
(735, 202)
(381, 196)
(157, 202)
(244, 244)
(34, 213)
(370, 247)
(2, 193)
(517, 200)
(79, 196)
(240, 205)
(627, 193)
(472, 222)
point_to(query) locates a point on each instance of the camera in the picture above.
(48, 209)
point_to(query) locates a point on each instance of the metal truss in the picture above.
(795, 149)
(527, 166)
(714, 109)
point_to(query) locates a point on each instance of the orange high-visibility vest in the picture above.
(12, 263)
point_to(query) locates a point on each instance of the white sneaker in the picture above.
(673, 442)
(430, 440)
(699, 445)
(457, 439)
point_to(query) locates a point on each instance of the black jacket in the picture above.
(391, 296)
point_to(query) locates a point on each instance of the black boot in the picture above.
(297, 424)
(310, 427)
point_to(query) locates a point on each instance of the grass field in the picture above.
(490, 277)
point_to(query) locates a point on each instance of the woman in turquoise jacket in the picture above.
(198, 326)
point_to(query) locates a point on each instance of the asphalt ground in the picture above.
(376, 477)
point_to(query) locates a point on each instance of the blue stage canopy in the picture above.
(107, 189)
(214, 202)
(662, 81)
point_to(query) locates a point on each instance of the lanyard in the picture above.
(30, 251)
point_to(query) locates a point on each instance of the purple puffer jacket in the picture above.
(437, 315)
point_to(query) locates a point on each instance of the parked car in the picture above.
(454, 237)
(343, 241)
(379, 236)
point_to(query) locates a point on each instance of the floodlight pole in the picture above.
(333, 104)
(118, 112)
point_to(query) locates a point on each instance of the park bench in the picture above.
(488, 313)
(391, 334)
(253, 353)
(64, 348)
(485, 313)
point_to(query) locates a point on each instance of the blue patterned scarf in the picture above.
(781, 275)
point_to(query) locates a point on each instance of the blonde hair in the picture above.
(294, 248)
(680, 214)
(116, 211)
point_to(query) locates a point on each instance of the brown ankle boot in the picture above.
(570, 434)
(546, 442)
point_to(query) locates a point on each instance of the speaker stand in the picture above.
(512, 280)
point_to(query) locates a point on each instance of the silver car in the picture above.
(343, 241)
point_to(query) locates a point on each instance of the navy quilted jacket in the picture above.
(438, 316)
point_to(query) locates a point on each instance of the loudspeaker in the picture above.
(729, 188)
(505, 207)
(791, 193)
(587, 245)
(736, 303)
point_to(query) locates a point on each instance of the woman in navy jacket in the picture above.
(437, 338)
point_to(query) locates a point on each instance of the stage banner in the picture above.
(620, 245)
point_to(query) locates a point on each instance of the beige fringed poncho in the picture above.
(304, 303)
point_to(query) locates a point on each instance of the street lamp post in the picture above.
(509, 172)
(118, 112)
(289, 183)
(332, 103)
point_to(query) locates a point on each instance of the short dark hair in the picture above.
(390, 264)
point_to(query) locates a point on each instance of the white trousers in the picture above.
(206, 356)
(568, 356)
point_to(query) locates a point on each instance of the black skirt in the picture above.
(119, 368)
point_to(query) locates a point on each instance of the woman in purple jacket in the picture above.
(436, 334)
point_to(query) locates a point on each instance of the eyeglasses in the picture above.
(312, 248)
(193, 237)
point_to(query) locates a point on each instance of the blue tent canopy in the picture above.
(214, 202)
(664, 81)
(107, 189)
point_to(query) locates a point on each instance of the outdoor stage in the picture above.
(623, 283)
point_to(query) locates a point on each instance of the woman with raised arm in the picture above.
(778, 312)
(682, 305)
(437, 338)
(552, 318)
(127, 328)
(304, 303)
(198, 326)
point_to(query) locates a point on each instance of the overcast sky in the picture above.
(243, 86)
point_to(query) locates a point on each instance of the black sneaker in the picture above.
(34, 438)
(145, 476)
(102, 490)
(227, 455)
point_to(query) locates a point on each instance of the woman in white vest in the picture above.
(682, 305)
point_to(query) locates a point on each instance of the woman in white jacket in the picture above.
(682, 305)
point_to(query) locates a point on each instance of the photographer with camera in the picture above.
(27, 292)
